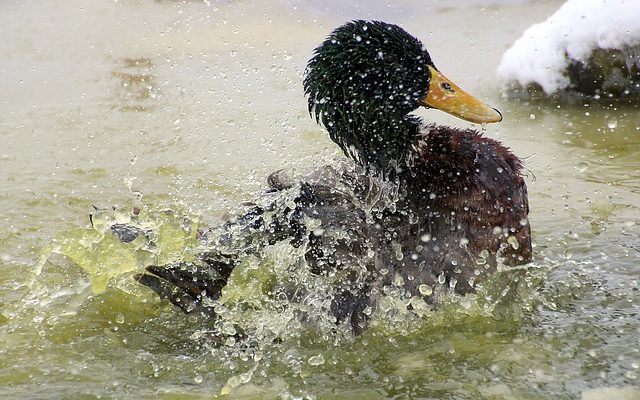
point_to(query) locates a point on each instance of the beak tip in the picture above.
(499, 113)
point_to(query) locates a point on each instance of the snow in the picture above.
(544, 50)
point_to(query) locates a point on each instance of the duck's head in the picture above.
(364, 80)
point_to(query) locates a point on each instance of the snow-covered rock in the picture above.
(587, 47)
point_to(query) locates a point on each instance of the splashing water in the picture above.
(121, 243)
(270, 299)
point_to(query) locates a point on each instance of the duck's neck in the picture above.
(377, 142)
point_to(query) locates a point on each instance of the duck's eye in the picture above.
(447, 87)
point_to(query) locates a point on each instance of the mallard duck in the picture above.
(412, 206)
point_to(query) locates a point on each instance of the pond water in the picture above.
(190, 105)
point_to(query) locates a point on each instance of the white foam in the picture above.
(544, 50)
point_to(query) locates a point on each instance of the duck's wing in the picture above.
(319, 211)
(195, 286)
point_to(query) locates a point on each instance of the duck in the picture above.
(412, 205)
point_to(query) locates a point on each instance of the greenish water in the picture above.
(188, 106)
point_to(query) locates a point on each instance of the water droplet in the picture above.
(316, 360)
(120, 319)
(358, 38)
(612, 124)
(513, 242)
(532, 116)
(452, 283)
(397, 250)
(581, 166)
(425, 290)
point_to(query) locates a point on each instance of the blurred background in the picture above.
(192, 103)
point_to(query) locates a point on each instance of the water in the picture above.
(189, 105)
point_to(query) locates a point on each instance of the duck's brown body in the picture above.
(461, 210)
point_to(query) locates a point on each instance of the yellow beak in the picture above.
(448, 97)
